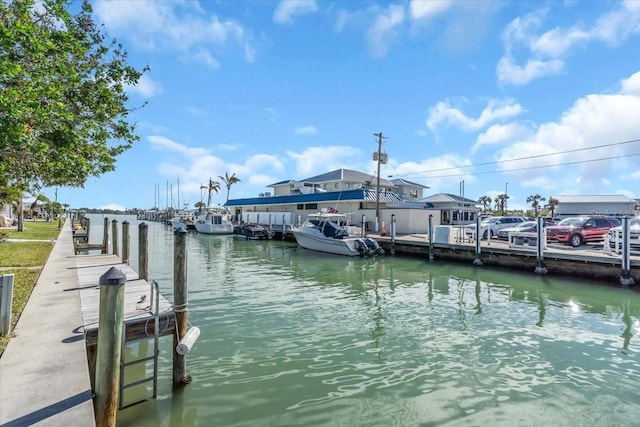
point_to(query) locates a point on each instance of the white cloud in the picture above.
(593, 121)
(261, 161)
(495, 110)
(113, 207)
(631, 86)
(306, 130)
(146, 87)
(315, 160)
(179, 26)
(558, 41)
(421, 9)
(510, 72)
(439, 171)
(163, 143)
(203, 56)
(548, 49)
(383, 31)
(287, 10)
(498, 134)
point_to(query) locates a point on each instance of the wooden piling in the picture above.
(143, 251)
(477, 260)
(430, 237)
(86, 223)
(105, 236)
(114, 236)
(111, 315)
(180, 307)
(125, 242)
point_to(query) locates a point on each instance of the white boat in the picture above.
(214, 221)
(327, 232)
(183, 220)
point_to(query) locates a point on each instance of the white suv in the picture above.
(489, 227)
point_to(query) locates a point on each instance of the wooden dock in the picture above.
(589, 261)
(138, 314)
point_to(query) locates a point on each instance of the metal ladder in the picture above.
(155, 299)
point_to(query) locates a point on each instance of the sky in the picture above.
(474, 97)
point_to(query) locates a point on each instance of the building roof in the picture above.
(447, 198)
(341, 175)
(359, 194)
(401, 181)
(612, 198)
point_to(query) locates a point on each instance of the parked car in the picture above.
(634, 234)
(523, 227)
(489, 227)
(575, 231)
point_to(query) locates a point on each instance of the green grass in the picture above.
(24, 254)
(34, 230)
(24, 260)
(23, 283)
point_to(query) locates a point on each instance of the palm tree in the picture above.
(229, 181)
(500, 201)
(553, 203)
(535, 202)
(199, 205)
(486, 202)
(213, 186)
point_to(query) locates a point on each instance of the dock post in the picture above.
(180, 307)
(87, 226)
(625, 276)
(284, 226)
(541, 242)
(111, 315)
(364, 224)
(430, 237)
(393, 234)
(477, 260)
(125, 242)
(114, 236)
(105, 236)
(143, 252)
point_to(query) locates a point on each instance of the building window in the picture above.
(336, 185)
(300, 206)
(346, 185)
(413, 194)
(313, 206)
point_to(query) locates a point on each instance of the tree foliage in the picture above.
(213, 186)
(535, 202)
(229, 181)
(485, 201)
(63, 101)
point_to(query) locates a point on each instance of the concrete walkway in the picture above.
(44, 376)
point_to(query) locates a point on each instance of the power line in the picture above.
(532, 167)
(522, 158)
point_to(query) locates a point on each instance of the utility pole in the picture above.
(378, 156)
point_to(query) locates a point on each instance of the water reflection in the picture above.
(293, 337)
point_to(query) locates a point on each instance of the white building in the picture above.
(605, 205)
(346, 191)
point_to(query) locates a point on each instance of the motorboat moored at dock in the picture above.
(327, 232)
(214, 221)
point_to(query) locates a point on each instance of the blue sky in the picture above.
(464, 90)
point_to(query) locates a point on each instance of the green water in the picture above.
(291, 337)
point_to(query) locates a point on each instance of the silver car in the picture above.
(527, 227)
(489, 227)
(634, 234)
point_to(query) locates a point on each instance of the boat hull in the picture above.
(345, 247)
(214, 228)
